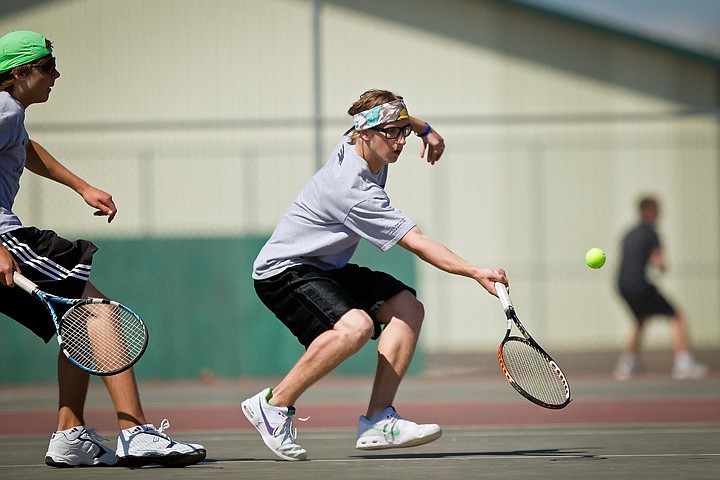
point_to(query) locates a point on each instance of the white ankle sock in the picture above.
(683, 359)
(72, 433)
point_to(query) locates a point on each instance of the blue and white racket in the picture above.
(98, 335)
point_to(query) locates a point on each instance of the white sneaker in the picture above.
(78, 447)
(689, 370)
(275, 425)
(145, 445)
(626, 369)
(387, 429)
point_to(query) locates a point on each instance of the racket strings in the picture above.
(531, 371)
(102, 337)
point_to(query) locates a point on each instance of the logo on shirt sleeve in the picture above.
(341, 154)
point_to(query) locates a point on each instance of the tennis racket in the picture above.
(528, 368)
(98, 335)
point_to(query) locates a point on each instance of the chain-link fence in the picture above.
(528, 194)
(205, 119)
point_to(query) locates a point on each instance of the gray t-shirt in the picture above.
(343, 203)
(13, 138)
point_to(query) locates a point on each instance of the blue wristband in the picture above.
(427, 130)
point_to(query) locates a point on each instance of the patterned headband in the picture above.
(385, 113)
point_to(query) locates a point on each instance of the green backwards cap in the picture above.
(20, 47)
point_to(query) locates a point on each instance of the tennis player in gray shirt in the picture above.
(334, 307)
(28, 73)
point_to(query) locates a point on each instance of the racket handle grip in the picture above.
(24, 283)
(503, 295)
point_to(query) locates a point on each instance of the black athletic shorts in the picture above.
(56, 265)
(309, 301)
(645, 301)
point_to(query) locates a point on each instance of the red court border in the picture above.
(446, 414)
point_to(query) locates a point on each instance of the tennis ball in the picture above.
(595, 258)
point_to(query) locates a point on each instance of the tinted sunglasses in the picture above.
(47, 67)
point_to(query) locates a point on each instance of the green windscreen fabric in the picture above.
(197, 298)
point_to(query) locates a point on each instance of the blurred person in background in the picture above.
(641, 248)
(304, 276)
(27, 74)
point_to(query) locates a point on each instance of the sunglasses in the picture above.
(47, 67)
(394, 132)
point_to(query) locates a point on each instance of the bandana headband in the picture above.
(385, 113)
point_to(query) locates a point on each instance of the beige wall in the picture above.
(198, 117)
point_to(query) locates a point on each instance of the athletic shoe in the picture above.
(275, 425)
(78, 447)
(689, 370)
(626, 369)
(145, 445)
(387, 429)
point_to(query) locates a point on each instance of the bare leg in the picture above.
(325, 353)
(679, 333)
(684, 365)
(72, 386)
(635, 339)
(403, 315)
(126, 398)
(122, 387)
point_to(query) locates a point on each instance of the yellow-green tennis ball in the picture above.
(595, 258)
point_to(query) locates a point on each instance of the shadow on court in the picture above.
(653, 427)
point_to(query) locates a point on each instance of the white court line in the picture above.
(579, 431)
(439, 456)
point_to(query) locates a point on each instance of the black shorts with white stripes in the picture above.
(56, 265)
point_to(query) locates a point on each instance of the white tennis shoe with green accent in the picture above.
(387, 429)
(275, 425)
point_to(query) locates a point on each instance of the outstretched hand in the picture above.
(101, 201)
(487, 279)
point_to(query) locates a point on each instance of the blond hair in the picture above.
(369, 99)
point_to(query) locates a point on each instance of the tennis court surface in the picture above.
(653, 427)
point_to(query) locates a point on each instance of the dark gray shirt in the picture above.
(637, 246)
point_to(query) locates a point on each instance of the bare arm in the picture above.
(657, 259)
(41, 162)
(432, 142)
(439, 256)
